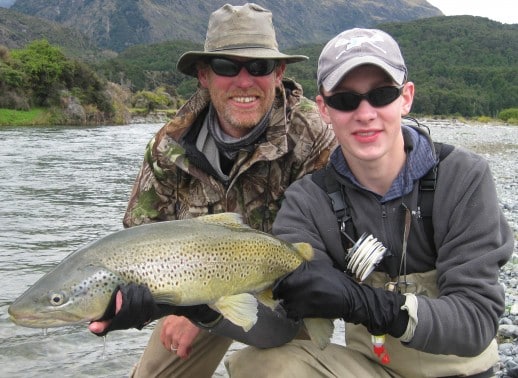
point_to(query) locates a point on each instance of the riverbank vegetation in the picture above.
(61, 90)
(463, 67)
(32, 117)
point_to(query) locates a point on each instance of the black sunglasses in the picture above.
(349, 101)
(256, 67)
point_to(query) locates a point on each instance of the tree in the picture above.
(43, 65)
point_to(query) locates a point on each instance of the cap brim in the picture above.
(187, 62)
(333, 79)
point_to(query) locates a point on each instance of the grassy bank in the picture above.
(46, 117)
(32, 117)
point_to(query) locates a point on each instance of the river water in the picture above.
(62, 187)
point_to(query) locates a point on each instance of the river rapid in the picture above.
(63, 187)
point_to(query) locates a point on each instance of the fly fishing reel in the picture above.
(363, 257)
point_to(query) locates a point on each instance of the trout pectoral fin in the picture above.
(240, 309)
(320, 331)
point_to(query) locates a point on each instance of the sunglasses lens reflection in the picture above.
(349, 101)
(257, 67)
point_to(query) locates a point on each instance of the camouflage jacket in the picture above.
(176, 181)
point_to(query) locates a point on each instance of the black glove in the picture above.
(318, 290)
(139, 308)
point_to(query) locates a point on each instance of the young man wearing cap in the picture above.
(436, 313)
(236, 145)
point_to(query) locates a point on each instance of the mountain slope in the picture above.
(18, 29)
(117, 24)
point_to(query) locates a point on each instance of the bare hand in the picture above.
(99, 327)
(178, 333)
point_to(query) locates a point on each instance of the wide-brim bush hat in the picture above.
(238, 31)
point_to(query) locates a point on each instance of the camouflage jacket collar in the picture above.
(183, 129)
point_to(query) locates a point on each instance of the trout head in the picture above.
(66, 295)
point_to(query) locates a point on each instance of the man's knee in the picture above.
(302, 359)
(251, 361)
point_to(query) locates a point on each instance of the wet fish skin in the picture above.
(214, 259)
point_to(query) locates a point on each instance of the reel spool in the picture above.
(364, 256)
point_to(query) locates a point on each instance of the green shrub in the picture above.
(484, 119)
(508, 114)
(159, 99)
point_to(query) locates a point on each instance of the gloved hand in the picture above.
(139, 308)
(318, 290)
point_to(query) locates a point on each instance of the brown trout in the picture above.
(213, 259)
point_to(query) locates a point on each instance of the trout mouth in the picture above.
(45, 319)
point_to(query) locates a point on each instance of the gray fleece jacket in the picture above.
(471, 235)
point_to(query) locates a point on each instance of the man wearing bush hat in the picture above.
(234, 31)
(237, 143)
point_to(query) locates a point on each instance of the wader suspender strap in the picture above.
(340, 208)
(427, 185)
(326, 180)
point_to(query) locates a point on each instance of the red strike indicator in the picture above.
(379, 349)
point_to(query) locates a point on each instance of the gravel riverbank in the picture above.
(499, 145)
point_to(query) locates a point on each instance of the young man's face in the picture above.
(368, 133)
(240, 101)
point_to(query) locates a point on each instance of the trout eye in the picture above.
(57, 299)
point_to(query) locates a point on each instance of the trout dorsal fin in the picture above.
(233, 220)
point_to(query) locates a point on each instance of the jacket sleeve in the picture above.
(272, 329)
(474, 241)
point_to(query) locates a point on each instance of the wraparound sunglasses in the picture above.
(256, 67)
(349, 101)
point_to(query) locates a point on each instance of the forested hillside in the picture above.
(461, 65)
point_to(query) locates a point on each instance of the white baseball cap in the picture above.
(356, 47)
